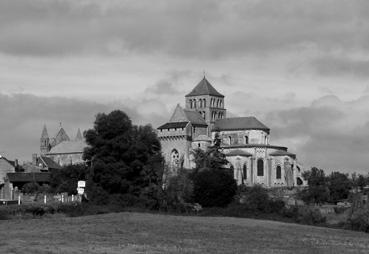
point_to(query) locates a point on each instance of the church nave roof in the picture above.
(240, 123)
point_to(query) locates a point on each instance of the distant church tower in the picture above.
(44, 141)
(206, 100)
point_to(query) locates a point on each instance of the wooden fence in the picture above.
(22, 198)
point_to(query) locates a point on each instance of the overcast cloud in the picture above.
(300, 66)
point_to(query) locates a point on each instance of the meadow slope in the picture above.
(150, 233)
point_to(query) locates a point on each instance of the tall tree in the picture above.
(317, 191)
(212, 158)
(214, 184)
(339, 186)
(124, 159)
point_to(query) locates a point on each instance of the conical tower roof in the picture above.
(79, 135)
(204, 88)
(44, 132)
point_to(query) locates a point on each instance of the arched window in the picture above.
(299, 181)
(278, 172)
(194, 103)
(191, 104)
(260, 166)
(246, 140)
(204, 102)
(230, 140)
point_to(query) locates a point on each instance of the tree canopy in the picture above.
(124, 159)
(318, 191)
(214, 184)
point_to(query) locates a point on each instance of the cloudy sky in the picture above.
(302, 67)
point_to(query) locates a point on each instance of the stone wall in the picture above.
(269, 178)
(5, 167)
(67, 159)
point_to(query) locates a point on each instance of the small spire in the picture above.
(60, 124)
(204, 73)
(79, 135)
(44, 132)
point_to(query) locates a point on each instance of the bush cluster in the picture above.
(359, 221)
(256, 199)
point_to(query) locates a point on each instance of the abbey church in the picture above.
(61, 148)
(244, 140)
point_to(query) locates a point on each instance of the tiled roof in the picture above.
(182, 117)
(8, 161)
(238, 152)
(67, 147)
(283, 153)
(240, 123)
(195, 118)
(50, 163)
(204, 88)
(173, 125)
(28, 177)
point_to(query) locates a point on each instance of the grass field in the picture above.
(149, 233)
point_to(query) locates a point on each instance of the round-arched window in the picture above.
(260, 167)
(278, 172)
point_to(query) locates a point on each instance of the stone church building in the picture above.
(245, 141)
(61, 148)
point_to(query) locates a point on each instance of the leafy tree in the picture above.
(66, 178)
(179, 189)
(339, 186)
(317, 191)
(362, 181)
(214, 184)
(124, 159)
(212, 158)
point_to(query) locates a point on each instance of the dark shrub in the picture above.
(32, 187)
(310, 216)
(256, 198)
(96, 194)
(215, 187)
(276, 206)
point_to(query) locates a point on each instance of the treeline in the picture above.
(331, 188)
(124, 168)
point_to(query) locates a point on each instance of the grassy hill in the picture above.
(149, 233)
